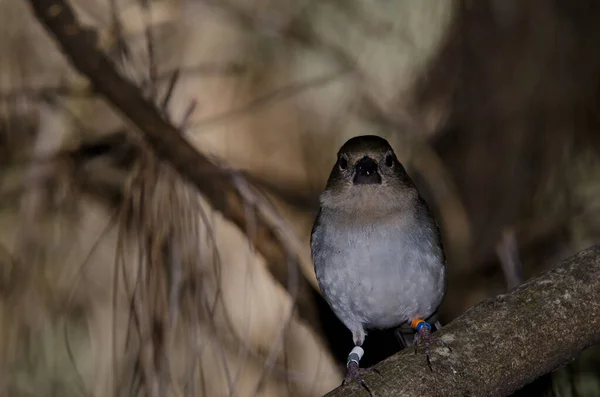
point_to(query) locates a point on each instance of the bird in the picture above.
(376, 247)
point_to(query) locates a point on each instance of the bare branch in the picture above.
(506, 342)
(166, 141)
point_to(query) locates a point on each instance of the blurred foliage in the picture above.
(493, 106)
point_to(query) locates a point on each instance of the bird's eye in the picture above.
(343, 163)
(389, 160)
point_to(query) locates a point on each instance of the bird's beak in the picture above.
(366, 172)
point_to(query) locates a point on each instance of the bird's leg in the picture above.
(353, 370)
(424, 336)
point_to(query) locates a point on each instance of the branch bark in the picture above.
(218, 186)
(503, 343)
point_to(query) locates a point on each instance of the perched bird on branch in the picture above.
(376, 247)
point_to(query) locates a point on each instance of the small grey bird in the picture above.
(376, 247)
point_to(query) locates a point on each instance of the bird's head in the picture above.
(367, 176)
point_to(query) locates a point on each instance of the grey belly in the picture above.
(381, 286)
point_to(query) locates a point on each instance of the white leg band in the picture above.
(355, 355)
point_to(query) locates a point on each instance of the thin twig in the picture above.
(270, 98)
(204, 69)
(152, 68)
(170, 88)
(507, 250)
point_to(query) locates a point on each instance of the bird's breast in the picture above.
(381, 273)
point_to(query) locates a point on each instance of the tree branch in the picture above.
(217, 185)
(503, 343)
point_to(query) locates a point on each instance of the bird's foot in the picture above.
(425, 337)
(355, 373)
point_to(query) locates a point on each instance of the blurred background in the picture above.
(119, 278)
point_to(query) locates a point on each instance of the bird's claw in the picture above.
(425, 337)
(354, 374)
